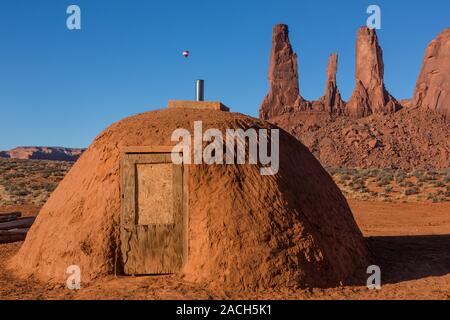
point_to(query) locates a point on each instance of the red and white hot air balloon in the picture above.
(186, 54)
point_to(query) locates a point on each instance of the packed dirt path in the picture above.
(410, 241)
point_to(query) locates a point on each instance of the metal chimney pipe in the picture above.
(200, 90)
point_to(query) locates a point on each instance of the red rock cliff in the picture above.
(433, 86)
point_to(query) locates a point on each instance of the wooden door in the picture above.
(154, 221)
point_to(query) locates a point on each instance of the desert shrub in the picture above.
(422, 180)
(439, 184)
(417, 173)
(375, 173)
(10, 176)
(59, 174)
(411, 191)
(409, 184)
(365, 172)
(359, 181)
(8, 166)
(22, 193)
(383, 195)
(358, 187)
(438, 199)
(385, 175)
(429, 177)
(50, 187)
(22, 185)
(11, 188)
(384, 182)
(400, 178)
(35, 186)
(388, 189)
(340, 171)
(363, 189)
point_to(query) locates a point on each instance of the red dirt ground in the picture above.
(410, 241)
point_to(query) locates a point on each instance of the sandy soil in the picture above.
(411, 243)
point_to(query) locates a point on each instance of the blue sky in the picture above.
(62, 88)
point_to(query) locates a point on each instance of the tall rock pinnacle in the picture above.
(370, 95)
(332, 100)
(433, 86)
(283, 76)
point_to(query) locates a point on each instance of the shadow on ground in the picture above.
(404, 258)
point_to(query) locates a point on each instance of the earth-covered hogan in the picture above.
(245, 231)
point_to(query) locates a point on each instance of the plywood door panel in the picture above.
(154, 193)
(154, 223)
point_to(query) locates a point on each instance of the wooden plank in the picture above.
(185, 211)
(147, 149)
(154, 250)
(128, 193)
(135, 159)
(178, 260)
(9, 236)
(17, 224)
(10, 216)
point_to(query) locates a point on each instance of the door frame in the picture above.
(124, 210)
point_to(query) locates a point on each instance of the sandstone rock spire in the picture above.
(332, 100)
(283, 76)
(433, 85)
(370, 95)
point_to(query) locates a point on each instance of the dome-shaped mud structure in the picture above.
(245, 230)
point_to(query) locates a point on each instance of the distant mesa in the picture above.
(43, 153)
